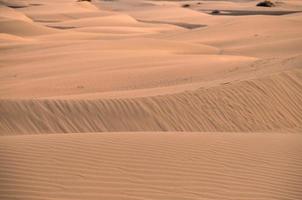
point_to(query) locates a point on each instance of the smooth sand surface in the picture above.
(158, 100)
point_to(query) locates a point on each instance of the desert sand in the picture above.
(150, 99)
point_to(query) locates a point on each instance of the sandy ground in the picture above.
(195, 105)
(151, 166)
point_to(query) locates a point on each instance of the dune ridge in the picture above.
(273, 103)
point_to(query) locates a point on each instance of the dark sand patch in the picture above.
(249, 12)
(181, 24)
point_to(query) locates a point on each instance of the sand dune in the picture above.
(269, 104)
(131, 80)
(7, 12)
(14, 3)
(243, 31)
(22, 28)
(151, 166)
(17, 23)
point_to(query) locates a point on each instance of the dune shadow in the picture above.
(249, 12)
(180, 24)
(61, 27)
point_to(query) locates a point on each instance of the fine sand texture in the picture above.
(150, 99)
(151, 166)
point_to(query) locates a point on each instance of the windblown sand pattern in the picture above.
(150, 99)
(268, 104)
(151, 166)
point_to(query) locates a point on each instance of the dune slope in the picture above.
(151, 166)
(270, 104)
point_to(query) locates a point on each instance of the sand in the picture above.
(151, 166)
(148, 99)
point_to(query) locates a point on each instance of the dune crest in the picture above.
(269, 104)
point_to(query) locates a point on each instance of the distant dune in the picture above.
(150, 99)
